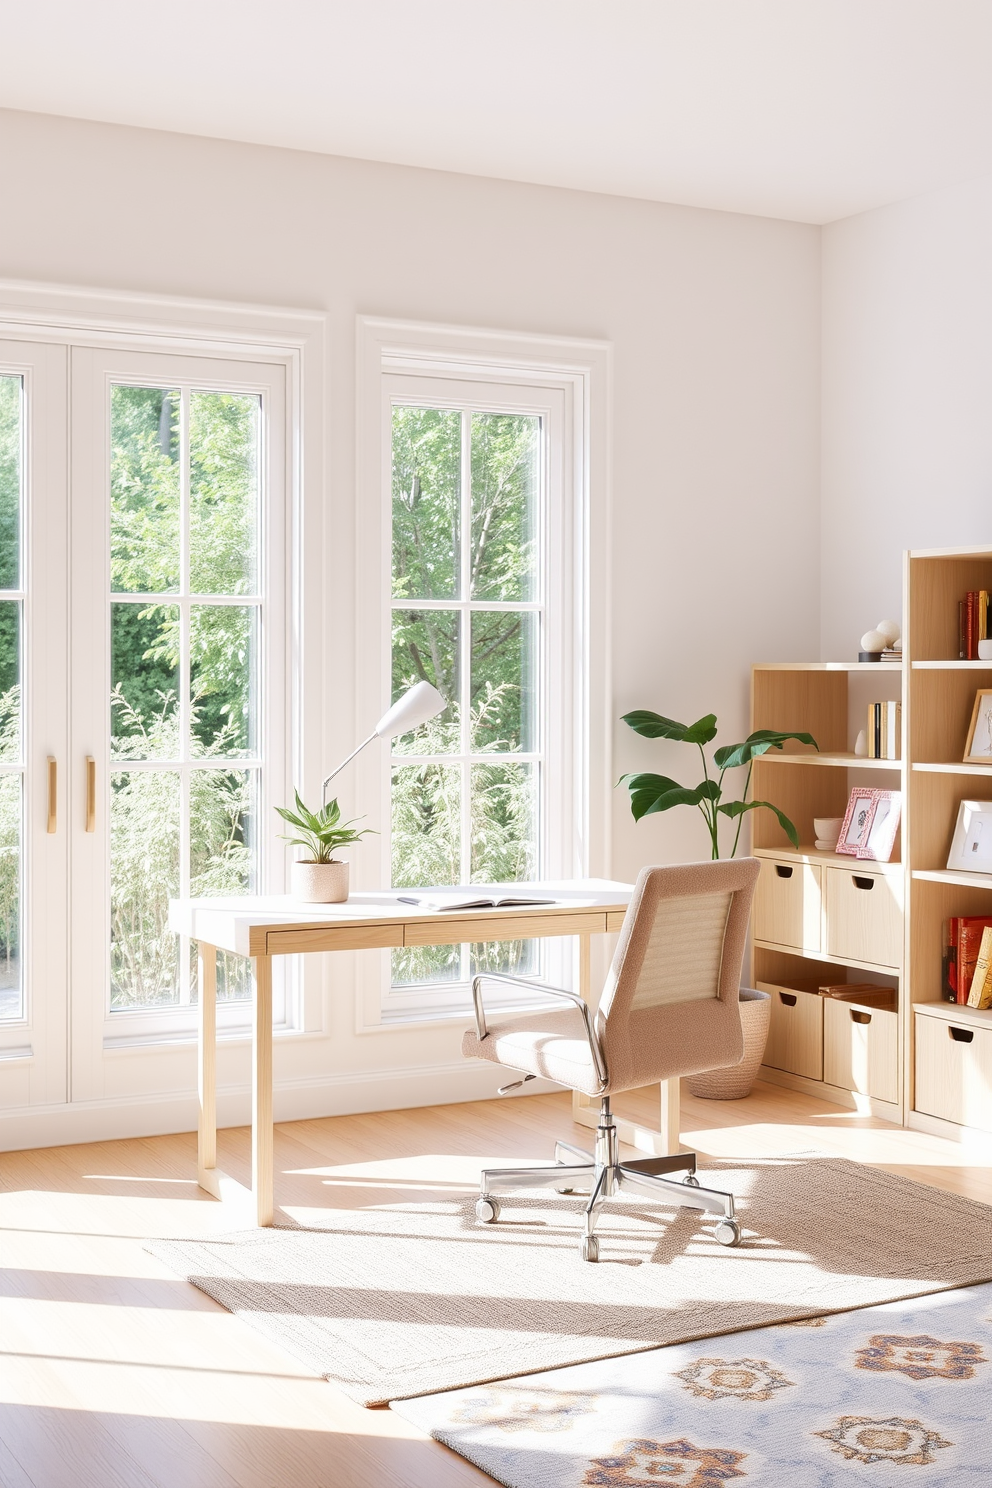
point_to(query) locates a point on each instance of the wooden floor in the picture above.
(114, 1374)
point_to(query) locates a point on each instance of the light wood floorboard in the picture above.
(114, 1374)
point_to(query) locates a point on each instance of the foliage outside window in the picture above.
(467, 615)
(11, 758)
(184, 622)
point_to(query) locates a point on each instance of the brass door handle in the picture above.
(90, 793)
(53, 794)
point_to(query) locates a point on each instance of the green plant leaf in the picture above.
(653, 725)
(646, 801)
(760, 742)
(702, 731)
(738, 808)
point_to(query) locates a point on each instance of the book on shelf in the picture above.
(980, 994)
(973, 623)
(962, 948)
(441, 899)
(870, 994)
(883, 730)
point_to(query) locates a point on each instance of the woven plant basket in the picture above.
(734, 1082)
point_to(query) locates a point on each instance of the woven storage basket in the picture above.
(734, 1082)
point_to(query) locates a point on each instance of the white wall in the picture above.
(907, 394)
(714, 319)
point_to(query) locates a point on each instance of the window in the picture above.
(184, 623)
(469, 597)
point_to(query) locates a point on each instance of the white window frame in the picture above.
(569, 382)
(118, 1078)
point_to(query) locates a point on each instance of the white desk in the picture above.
(277, 925)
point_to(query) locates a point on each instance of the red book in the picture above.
(970, 929)
(971, 625)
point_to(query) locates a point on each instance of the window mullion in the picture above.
(465, 650)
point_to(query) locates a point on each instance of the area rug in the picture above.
(406, 1299)
(897, 1394)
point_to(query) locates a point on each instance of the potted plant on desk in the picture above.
(653, 793)
(320, 878)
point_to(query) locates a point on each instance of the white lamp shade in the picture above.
(416, 706)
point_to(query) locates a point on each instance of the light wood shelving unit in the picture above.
(929, 1065)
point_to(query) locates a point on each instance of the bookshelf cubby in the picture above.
(824, 917)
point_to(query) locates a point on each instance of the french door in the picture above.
(169, 718)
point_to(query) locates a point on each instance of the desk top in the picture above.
(276, 924)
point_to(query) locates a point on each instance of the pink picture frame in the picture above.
(878, 838)
(856, 820)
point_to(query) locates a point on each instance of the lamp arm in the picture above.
(327, 781)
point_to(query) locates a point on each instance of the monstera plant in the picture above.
(652, 793)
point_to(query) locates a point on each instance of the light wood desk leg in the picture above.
(671, 1114)
(206, 1075)
(585, 1108)
(261, 1093)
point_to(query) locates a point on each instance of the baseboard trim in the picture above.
(294, 1100)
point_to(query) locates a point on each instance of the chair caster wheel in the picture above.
(728, 1232)
(590, 1248)
(487, 1210)
(691, 1180)
(564, 1190)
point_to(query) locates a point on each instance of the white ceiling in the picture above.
(804, 109)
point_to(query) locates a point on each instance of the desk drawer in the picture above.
(787, 904)
(860, 1048)
(864, 915)
(954, 1071)
(795, 1031)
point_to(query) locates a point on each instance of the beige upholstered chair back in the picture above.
(671, 1005)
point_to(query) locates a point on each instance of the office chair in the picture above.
(670, 1007)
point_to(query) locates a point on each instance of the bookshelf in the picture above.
(823, 918)
(928, 1065)
(947, 1050)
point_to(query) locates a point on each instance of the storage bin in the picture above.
(787, 904)
(861, 1048)
(954, 1071)
(795, 1032)
(863, 916)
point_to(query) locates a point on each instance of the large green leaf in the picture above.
(738, 808)
(655, 726)
(756, 744)
(653, 793)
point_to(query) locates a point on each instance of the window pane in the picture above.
(504, 823)
(144, 490)
(221, 673)
(144, 870)
(426, 825)
(10, 481)
(426, 503)
(222, 858)
(144, 674)
(223, 493)
(10, 679)
(426, 643)
(504, 680)
(506, 452)
(11, 994)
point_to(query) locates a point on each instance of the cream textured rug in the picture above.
(408, 1299)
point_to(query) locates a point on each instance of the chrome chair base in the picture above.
(601, 1174)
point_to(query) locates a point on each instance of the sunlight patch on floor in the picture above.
(888, 1145)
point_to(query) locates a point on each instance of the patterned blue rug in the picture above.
(897, 1394)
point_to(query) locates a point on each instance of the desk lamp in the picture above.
(414, 707)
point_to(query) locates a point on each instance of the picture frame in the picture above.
(978, 749)
(879, 836)
(856, 820)
(971, 845)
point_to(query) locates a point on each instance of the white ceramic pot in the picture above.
(734, 1082)
(319, 883)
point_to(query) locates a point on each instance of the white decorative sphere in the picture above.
(873, 640)
(890, 630)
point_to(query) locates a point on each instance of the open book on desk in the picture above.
(438, 899)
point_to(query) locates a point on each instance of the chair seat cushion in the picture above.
(550, 1044)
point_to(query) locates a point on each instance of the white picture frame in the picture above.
(883, 825)
(971, 845)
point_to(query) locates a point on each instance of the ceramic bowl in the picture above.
(827, 827)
